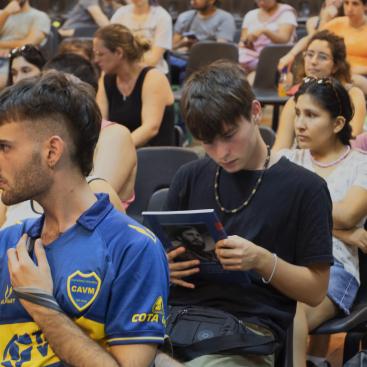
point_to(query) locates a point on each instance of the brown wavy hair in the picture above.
(339, 53)
(117, 35)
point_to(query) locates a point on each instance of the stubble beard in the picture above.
(29, 182)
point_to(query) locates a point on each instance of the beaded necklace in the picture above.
(253, 191)
(333, 163)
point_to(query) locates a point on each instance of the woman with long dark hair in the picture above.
(24, 62)
(322, 126)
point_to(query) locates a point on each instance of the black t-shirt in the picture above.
(290, 215)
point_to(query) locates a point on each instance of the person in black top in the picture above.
(131, 93)
(276, 213)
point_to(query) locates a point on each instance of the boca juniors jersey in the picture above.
(110, 276)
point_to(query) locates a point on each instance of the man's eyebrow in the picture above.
(4, 141)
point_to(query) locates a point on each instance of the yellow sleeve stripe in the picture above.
(157, 338)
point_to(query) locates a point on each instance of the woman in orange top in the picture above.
(353, 28)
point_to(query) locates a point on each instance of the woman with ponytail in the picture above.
(130, 92)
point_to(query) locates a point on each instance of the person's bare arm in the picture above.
(359, 103)
(156, 95)
(114, 146)
(359, 69)
(282, 35)
(101, 98)
(67, 340)
(34, 37)
(285, 134)
(98, 15)
(354, 237)
(288, 59)
(348, 212)
(177, 40)
(301, 283)
(12, 8)
(154, 55)
(99, 185)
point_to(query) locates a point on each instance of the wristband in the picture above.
(38, 297)
(267, 281)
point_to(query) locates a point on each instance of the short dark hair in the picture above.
(30, 53)
(334, 98)
(214, 97)
(76, 65)
(57, 104)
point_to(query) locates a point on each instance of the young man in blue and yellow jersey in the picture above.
(83, 285)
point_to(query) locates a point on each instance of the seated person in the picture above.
(205, 22)
(113, 147)
(325, 56)
(272, 257)
(20, 24)
(329, 10)
(147, 20)
(115, 154)
(88, 14)
(322, 125)
(80, 46)
(24, 62)
(270, 23)
(70, 278)
(131, 93)
(353, 28)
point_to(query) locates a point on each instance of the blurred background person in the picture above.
(271, 23)
(89, 14)
(325, 56)
(20, 24)
(24, 62)
(146, 19)
(130, 92)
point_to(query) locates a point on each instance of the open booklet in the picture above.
(196, 230)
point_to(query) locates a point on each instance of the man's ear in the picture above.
(55, 148)
(256, 111)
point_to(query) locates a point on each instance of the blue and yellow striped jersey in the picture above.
(110, 276)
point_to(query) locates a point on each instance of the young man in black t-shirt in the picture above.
(277, 215)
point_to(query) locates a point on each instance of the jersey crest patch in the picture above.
(83, 289)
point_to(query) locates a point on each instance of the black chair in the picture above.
(49, 48)
(85, 31)
(157, 200)
(206, 52)
(355, 324)
(265, 84)
(268, 135)
(156, 168)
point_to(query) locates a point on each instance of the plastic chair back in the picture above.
(266, 71)
(156, 168)
(206, 52)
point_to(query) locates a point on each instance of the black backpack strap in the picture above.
(235, 344)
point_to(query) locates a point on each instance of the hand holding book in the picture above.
(181, 269)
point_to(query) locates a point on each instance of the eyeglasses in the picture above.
(322, 57)
(327, 82)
